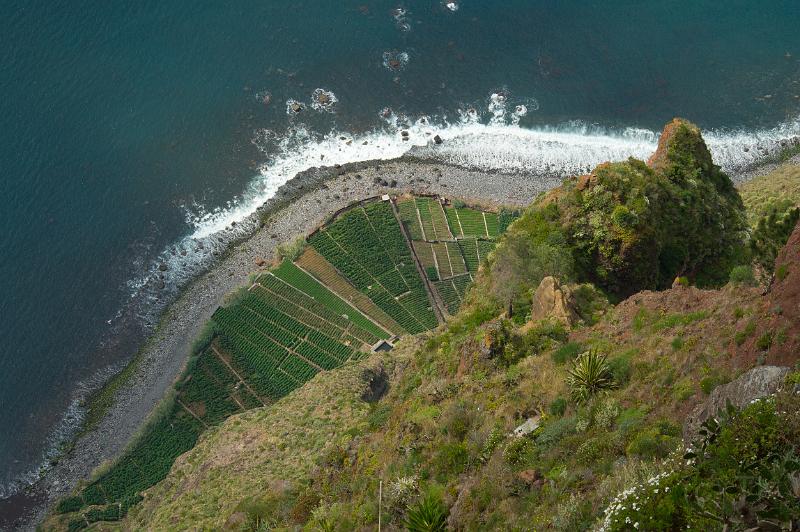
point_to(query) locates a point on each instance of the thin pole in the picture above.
(380, 502)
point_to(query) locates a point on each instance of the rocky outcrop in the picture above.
(757, 383)
(554, 301)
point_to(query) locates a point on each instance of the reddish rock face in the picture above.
(782, 307)
(660, 158)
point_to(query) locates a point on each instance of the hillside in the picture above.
(378, 270)
(535, 403)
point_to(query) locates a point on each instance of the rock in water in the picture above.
(757, 383)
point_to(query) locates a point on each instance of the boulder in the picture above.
(551, 300)
(260, 262)
(236, 521)
(757, 383)
(529, 476)
(530, 425)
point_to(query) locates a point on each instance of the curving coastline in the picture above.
(300, 205)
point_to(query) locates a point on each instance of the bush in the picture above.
(592, 450)
(782, 271)
(741, 336)
(589, 375)
(291, 250)
(620, 369)
(629, 421)
(742, 275)
(566, 352)
(708, 383)
(428, 515)
(558, 407)
(519, 450)
(555, 430)
(772, 232)
(764, 341)
(654, 442)
(451, 459)
(740, 474)
(378, 415)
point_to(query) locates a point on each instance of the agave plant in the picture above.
(428, 515)
(590, 374)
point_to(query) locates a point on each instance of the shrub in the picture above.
(378, 415)
(566, 352)
(654, 442)
(764, 341)
(519, 450)
(451, 459)
(592, 450)
(555, 430)
(558, 407)
(677, 343)
(782, 271)
(742, 275)
(606, 413)
(741, 474)
(620, 369)
(291, 250)
(629, 421)
(708, 383)
(456, 421)
(772, 232)
(428, 515)
(741, 336)
(589, 375)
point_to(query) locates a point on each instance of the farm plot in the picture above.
(471, 222)
(456, 258)
(453, 290)
(469, 250)
(449, 295)
(208, 392)
(315, 264)
(442, 259)
(407, 209)
(293, 275)
(492, 224)
(434, 221)
(367, 246)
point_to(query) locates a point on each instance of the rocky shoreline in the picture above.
(300, 205)
(298, 208)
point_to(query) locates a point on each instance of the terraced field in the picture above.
(357, 284)
(450, 242)
(367, 246)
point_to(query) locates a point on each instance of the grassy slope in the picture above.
(436, 426)
(783, 183)
(256, 453)
(443, 426)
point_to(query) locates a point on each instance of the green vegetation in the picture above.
(590, 375)
(630, 227)
(490, 421)
(739, 475)
(771, 233)
(301, 280)
(366, 245)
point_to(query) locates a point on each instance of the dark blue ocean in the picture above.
(133, 132)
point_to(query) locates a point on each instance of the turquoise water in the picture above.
(133, 134)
